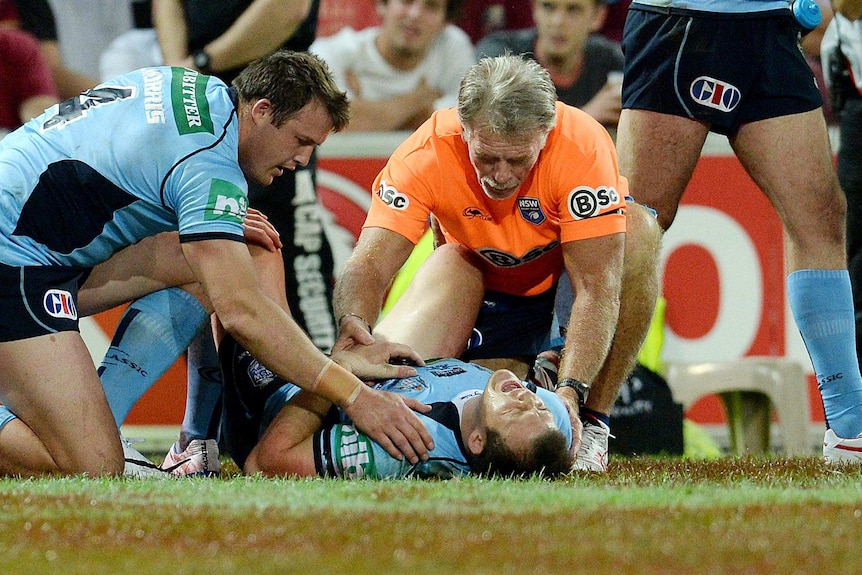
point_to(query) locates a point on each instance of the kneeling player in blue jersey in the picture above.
(484, 422)
(87, 191)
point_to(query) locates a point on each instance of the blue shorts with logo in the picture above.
(723, 69)
(511, 326)
(38, 300)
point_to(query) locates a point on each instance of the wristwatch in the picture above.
(202, 61)
(581, 388)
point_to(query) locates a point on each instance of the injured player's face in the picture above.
(513, 411)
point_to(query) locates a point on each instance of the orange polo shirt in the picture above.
(573, 192)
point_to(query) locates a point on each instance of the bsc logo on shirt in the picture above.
(392, 197)
(226, 202)
(59, 303)
(585, 202)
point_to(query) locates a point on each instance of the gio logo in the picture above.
(59, 303)
(392, 197)
(715, 93)
(226, 202)
(585, 202)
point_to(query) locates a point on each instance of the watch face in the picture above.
(202, 61)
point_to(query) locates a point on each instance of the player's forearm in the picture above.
(271, 336)
(261, 29)
(359, 292)
(589, 335)
(169, 21)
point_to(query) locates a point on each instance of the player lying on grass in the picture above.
(254, 398)
(481, 421)
(489, 423)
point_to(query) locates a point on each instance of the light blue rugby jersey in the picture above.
(342, 451)
(151, 151)
(719, 6)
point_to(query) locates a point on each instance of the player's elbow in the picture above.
(270, 463)
(252, 465)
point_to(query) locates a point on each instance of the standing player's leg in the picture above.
(789, 157)
(658, 154)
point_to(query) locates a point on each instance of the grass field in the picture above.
(738, 516)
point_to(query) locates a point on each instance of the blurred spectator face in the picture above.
(563, 26)
(410, 26)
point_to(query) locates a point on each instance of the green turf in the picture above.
(645, 516)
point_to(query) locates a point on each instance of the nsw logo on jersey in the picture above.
(259, 375)
(531, 210)
(715, 93)
(59, 303)
(392, 197)
(189, 102)
(226, 202)
(586, 202)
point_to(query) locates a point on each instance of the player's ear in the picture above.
(262, 110)
(476, 441)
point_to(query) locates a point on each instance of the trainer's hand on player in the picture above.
(352, 331)
(379, 360)
(259, 231)
(570, 399)
(387, 419)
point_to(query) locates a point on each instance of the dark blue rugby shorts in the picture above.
(38, 300)
(511, 326)
(725, 70)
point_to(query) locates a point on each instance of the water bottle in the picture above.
(807, 14)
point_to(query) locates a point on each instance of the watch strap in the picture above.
(202, 61)
(581, 388)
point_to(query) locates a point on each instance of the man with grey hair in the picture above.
(520, 187)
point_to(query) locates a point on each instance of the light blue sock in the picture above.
(152, 334)
(204, 389)
(822, 306)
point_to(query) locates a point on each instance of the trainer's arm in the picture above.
(595, 268)
(363, 282)
(225, 270)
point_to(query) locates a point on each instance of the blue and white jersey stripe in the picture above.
(151, 151)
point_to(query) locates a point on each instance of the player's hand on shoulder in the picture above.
(352, 331)
(387, 419)
(379, 360)
(259, 231)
